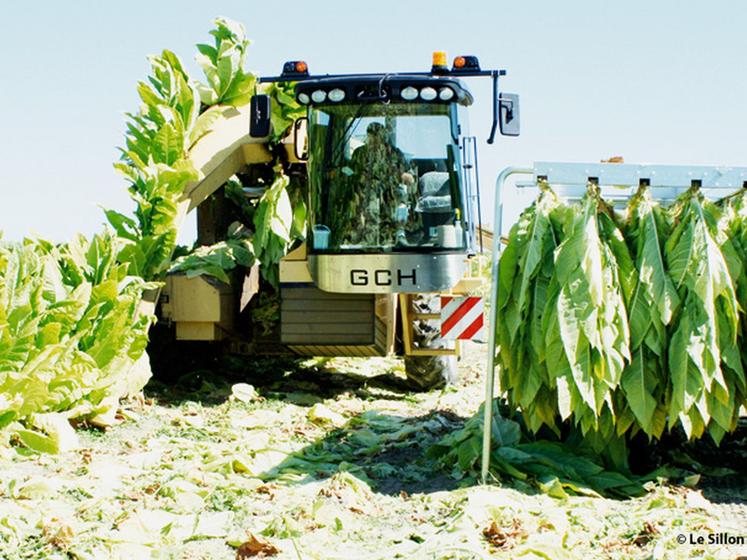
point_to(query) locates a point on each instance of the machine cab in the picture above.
(391, 201)
(383, 174)
(386, 198)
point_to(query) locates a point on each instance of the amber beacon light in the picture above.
(439, 63)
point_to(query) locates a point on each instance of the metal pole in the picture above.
(477, 185)
(494, 126)
(495, 270)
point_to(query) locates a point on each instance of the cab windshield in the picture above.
(383, 177)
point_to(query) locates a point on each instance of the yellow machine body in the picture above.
(313, 322)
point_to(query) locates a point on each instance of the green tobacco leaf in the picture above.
(468, 452)
(551, 486)
(37, 441)
(240, 91)
(653, 276)
(124, 226)
(701, 346)
(639, 382)
(524, 283)
(223, 63)
(591, 314)
(204, 124)
(299, 221)
(168, 145)
(210, 52)
(57, 427)
(679, 250)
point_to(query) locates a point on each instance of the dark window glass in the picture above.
(383, 178)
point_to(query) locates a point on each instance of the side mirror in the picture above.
(260, 109)
(508, 109)
(301, 139)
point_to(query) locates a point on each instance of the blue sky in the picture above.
(660, 82)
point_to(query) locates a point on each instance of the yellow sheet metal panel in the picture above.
(326, 328)
(228, 134)
(297, 254)
(198, 331)
(294, 272)
(255, 153)
(200, 300)
(386, 318)
(409, 315)
(225, 150)
(329, 350)
(469, 285)
(249, 287)
(210, 183)
(146, 308)
(220, 152)
(309, 316)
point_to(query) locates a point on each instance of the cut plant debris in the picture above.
(252, 467)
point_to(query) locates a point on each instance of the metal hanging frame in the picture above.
(618, 182)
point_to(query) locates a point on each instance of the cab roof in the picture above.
(374, 88)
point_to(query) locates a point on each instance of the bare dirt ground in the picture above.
(316, 461)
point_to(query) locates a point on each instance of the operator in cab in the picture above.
(383, 186)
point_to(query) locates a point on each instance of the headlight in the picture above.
(318, 96)
(303, 98)
(428, 94)
(445, 94)
(336, 95)
(409, 93)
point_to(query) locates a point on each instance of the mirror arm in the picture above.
(494, 74)
(300, 155)
(259, 120)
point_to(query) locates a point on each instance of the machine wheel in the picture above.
(429, 372)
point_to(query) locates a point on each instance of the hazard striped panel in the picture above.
(462, 318)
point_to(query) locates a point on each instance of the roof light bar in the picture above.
(336, 95)
(409, 93)
(428, 94)
(445, 94)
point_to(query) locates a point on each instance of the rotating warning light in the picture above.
(466, 64)
(295, 68)
(439, 63)
(439, 58)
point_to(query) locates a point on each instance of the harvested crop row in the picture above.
(70, 330)
(72, 340)
(620, 322)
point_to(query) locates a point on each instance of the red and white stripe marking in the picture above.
(461, 318)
